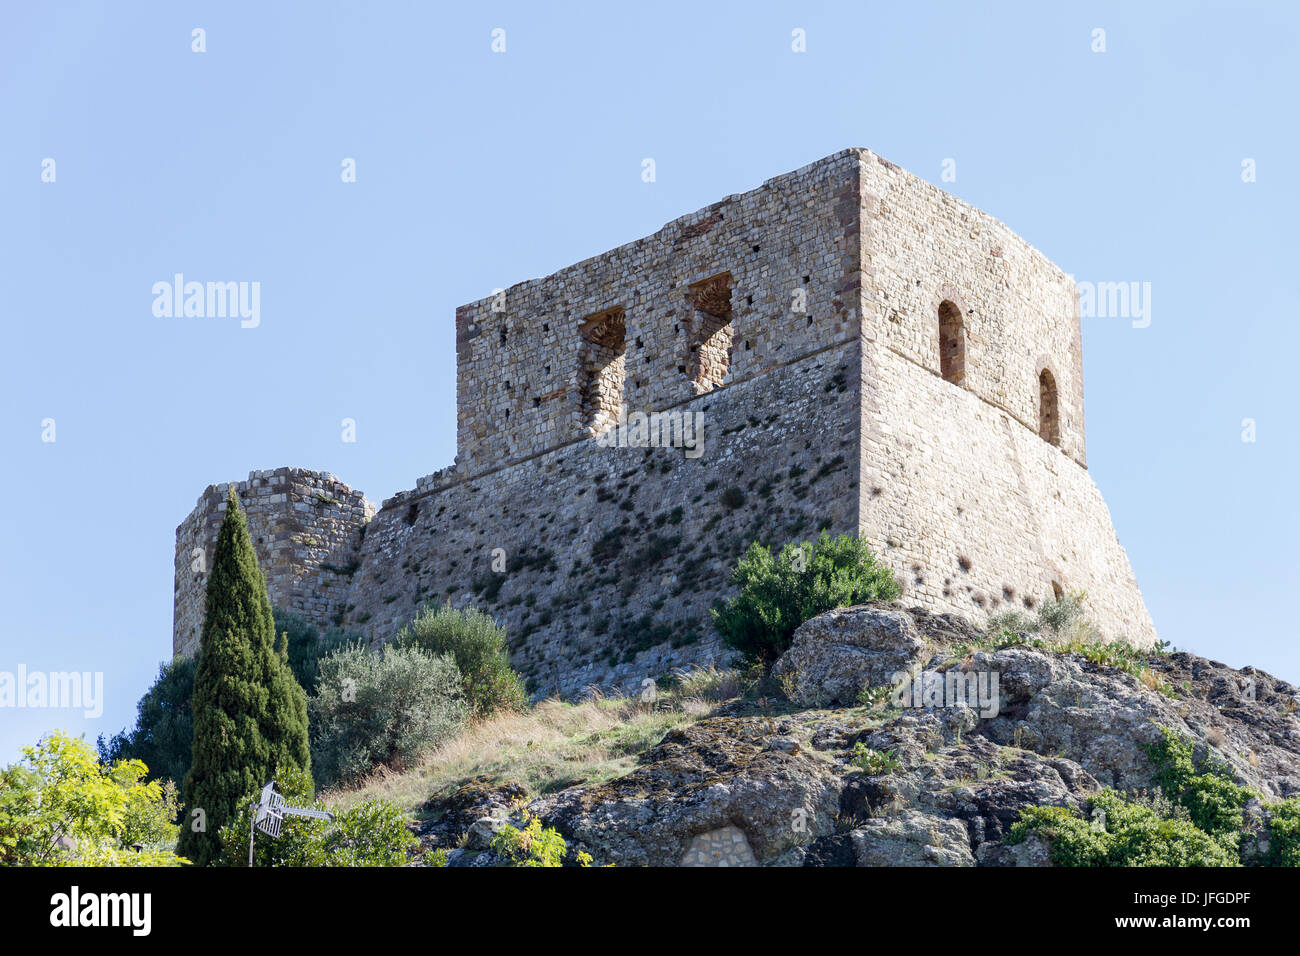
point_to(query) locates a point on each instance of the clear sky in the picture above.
(477, 169)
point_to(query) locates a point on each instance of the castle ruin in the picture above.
(866, 354)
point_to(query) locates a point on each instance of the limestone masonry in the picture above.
(869, 355)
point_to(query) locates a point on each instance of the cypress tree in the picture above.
(250, 715)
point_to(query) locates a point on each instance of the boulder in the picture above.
(718, 777)
(838, 653)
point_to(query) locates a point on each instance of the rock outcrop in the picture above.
(840, 784)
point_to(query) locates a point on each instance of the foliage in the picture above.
(1212, 800)
(479, 645)
(164, 726)
(250, 715)
(372, 833)
(381, 709)
(533, 845)
(875, 762)
(308, 644)
(1121, 833)
(1195, 820)
(1284, 833)
(780, 592)
(60, 806)
(163, 734)
(1062, 625)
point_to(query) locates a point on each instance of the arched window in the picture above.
(1049, 416)
(952, 344)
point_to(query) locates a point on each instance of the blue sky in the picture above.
(478, 169)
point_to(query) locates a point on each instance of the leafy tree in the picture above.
(780, 592)
(381, 709)
(250, 715)
(164, 726)
(60, 806)
(373, 833)
(479, 646)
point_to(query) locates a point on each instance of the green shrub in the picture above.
(1120, 833)
(1284, 833)
(1212, 800)
(384, 709)
(778, 593)
(1195, 820)
(874, 763)
(60, 806)
(533, 845)
(478, 644)
(373, 833)
(163, 734)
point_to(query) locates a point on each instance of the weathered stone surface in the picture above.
(713, 775)
(788, 791)
(912, 839)
(801, 320)
(836, 654)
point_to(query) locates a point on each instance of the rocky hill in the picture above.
(810, 770)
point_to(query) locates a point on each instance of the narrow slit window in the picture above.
(952, 344)
(1049, 413)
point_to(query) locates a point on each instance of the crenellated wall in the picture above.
(801, 321)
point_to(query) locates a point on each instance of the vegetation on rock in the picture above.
(779, 592)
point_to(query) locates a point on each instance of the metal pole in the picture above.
(252, 819)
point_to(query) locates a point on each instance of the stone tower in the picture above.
(865, 354)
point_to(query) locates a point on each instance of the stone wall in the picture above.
(921, 247)
(974, 510)
(614, 555)
(802, 321)
(306, 528)
(520, 355)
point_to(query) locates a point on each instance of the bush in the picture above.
(1195, 820)
(163, 735)
(778, 593)
(164, 726)
(60, 806)
(381, 709)
(373, 833)
(478, 644)
(1212, 800)
(875, 763)
(1284, 833)
(1121, 833)
(308, 644)
(533, 845)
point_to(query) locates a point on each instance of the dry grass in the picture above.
(550, 745)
